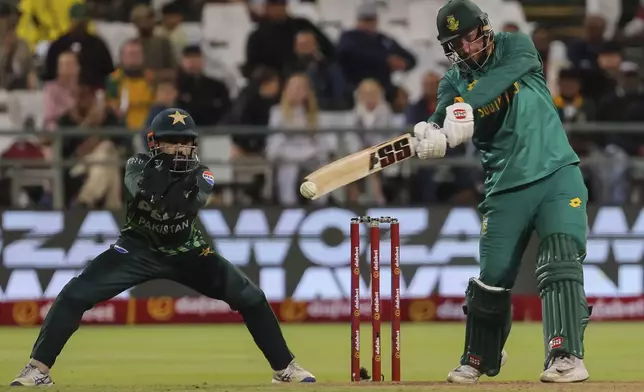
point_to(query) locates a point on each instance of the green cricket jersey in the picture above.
(517, 128)
(145, 226)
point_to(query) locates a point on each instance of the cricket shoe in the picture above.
(292, 373)
(565, 369)
(31, 376)
(466, 374)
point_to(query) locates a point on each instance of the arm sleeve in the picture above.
(405, 54)
(446, 95)
(205, 188)
(518, 58)
(134, 174)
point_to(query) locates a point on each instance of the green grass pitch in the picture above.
(224, 358)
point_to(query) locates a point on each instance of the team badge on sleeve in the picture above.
(210, 179)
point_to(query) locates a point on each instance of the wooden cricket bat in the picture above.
(358, 165)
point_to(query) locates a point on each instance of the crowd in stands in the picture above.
(295, 75)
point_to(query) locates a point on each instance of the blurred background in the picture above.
(279, 88)
(282, 87)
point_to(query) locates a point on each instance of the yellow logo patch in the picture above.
(471, 85)
(484, 225)
(574, 203)
(452, 23)
(178, 118)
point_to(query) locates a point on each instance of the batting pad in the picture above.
(560, 279)
(489, 319)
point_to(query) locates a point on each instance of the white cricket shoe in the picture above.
(292, 373)
(565, 369)
(31, 376)
(466, 374)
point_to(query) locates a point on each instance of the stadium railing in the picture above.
(215, 152)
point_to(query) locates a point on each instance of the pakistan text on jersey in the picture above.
(163, 228)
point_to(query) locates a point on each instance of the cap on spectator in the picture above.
(191, 50)
(609, 47)
(171, 8)
(78, 11)
(367, 11)
(629, 67)
(141, 11)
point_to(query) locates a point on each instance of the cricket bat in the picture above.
(356, 166)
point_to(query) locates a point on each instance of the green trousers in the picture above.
(555, 204)
(124, 266)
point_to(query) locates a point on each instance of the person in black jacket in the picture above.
(365, 53)
(271, 44)
(93, 56)
(205, 98)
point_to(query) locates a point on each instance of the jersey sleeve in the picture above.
(518, 57)
(134, 174)
(445, 96)
(205, 183)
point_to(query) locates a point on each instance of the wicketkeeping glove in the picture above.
(459, 123)
(181, 196)
(156, 177)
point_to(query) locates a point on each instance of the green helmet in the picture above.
(457, 19)
(175, 126)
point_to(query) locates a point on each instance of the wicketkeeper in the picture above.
(165, 191)
(495, 94)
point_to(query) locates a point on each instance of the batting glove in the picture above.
(429, 141)
(459, 123)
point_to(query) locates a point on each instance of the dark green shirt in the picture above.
(145, 226)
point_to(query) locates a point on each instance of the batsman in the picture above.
(164, 192)
(495, 94)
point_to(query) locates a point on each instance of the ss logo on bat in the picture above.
(391, 153)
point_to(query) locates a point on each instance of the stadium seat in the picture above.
(422, 20)
(217, 149)
(304, 10)
(225, 30)
(115, 34)
(334, 19)
(25, 104)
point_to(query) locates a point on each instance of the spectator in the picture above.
(325, 75)
(165, 97)
(129, 90)
(298, 110)
(510, 27)
(371, 112)
(253, 107)
(426, 105)
(16, 60)
(59, 94)
(206, 99)
(96, 177)
(93, 56)
(625, 104)
(401, 101)
(573, 107)
(158, 52)
(271, 44)
(583, 52)
(553, 55)
(604, 80)
(365, 53)
(171, 27)
(44, 21)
